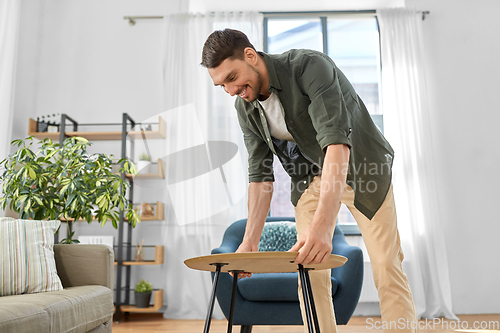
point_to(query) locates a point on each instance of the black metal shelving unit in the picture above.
(123, 257)
(119, 253)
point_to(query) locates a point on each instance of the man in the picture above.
(301, 107)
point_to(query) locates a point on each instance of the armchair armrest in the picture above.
(224, 249)
(232, 237)
(84, 264)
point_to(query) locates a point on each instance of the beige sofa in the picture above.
(85, 304)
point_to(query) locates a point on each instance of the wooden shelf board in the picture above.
(131, 308)
(138, 263)
(149, 218)
(160, 174)
(159, 257)
(148, 134)
(97, 136)
(158, 303)
(160, 134)
(41, 136)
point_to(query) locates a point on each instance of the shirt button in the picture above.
(268, 139)
(305, 182)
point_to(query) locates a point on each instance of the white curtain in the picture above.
(9, 27)
(206, 157)
(408, 128)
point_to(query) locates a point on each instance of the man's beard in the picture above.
(258, 85)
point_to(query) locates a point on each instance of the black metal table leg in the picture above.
(212, 298)
(305, 294)
(311, 299)
(233, 301)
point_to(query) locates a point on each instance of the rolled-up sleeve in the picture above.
(260, 156)
(318, 79)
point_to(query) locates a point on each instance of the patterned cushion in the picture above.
(278, 236)
(27, 257)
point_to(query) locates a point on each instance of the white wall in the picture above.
(82, 58)
(463, 52)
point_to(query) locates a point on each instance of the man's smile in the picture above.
(243, 94)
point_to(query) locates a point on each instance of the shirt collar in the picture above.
(271, 71)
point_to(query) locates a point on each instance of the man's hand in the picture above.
(315, 244)
(246, 246)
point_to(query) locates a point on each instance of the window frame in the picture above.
(322, 15)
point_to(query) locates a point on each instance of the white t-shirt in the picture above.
(277, 127)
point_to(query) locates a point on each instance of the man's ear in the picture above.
(250, 56)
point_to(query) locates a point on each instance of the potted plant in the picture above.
(144, 163)
(143, 290)
(65, 182)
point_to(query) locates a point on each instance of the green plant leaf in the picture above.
(99, 199)
(38, 200)
(63, 190)
(32, 173)
(71, 197)
(27, 207)
(143, 287)
(70, 239)
(73, 205)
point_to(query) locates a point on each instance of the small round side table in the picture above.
(261, 262)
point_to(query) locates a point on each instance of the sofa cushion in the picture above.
(22, 317)
(273, 287)
(278, 236)
(27, 256)
(75, 309)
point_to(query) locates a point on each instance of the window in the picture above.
(352, 41)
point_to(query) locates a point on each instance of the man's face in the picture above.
(238, 77)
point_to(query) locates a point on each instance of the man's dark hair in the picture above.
(224, 44)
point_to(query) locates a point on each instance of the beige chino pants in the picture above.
(381, 238)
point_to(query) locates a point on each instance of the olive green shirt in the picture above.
(320, 108)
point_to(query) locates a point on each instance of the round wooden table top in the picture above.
(258, 262)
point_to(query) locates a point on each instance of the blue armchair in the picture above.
(272, 299)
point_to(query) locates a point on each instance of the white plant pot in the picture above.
(143, 167)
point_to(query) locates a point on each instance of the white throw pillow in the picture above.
(27, 254)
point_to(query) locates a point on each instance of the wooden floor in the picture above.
(156, 324)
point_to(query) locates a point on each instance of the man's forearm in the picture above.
(259, 201)
(333, 182)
